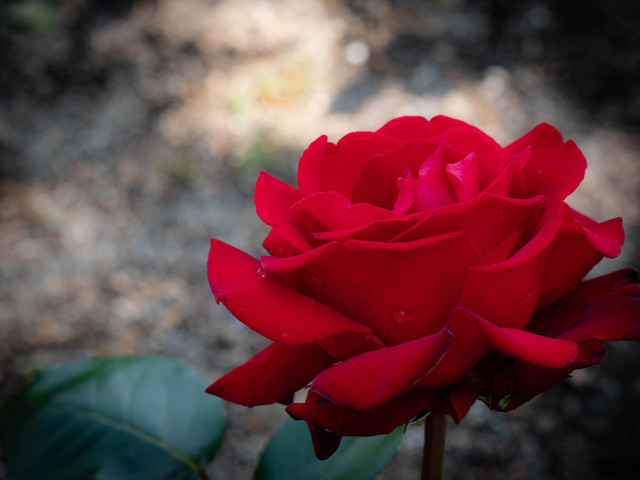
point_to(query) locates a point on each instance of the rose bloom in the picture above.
(417, 268)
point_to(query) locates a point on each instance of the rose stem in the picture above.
(435, 429)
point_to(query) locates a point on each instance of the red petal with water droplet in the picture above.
(271, 308)
(424, 278)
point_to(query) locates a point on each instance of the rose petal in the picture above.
(555, 168)
(269, 307)
(273, 199)
(518, 382)
(273, 375)
(456, 405)
(606, 237)
(374, 378)
(468, 347)
(433, 189)
(463, 176)
(608, 319)
(311, 166)
(281, 242)
(377, 184)
(494, 224)
(347, 422)
(287, 238)
(339, 168)
(441, 123)
(409, 301)
(406, 127)
(472, 140)
(561, 317)
(527, 346)
(511, 182)
(384, 230)
(328, 211)
(325, 443)
(429, 193)
(603, 308)
(506, 293)
(573, 252)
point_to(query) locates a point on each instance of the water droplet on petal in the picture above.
(501, 212)
(284, 335)
(261, 273)
(399, 317)
(317, 280)
(529, 295)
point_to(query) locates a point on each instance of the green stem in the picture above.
(435, 429)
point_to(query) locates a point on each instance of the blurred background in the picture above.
(133, 131)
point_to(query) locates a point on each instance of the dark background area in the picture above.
(132, 131)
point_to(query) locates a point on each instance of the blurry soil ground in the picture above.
(132, 131)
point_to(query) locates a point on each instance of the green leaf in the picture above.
(112, 418)
(289, 456)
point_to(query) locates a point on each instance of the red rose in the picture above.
(417, 268)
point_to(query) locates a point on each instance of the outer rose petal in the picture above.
(554, 168)
(271, 308)
(573, 252)
(606, 237)
(347, 422)
(325, 443)
(278, 244)
(457, 403)
(608, 319)
(532, 348)
(374, 378)
(273, 199)
(468, 347)
(603, 308)
(273, 375)
(517, 381)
